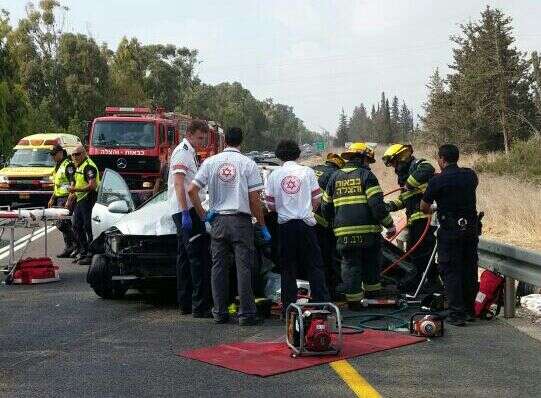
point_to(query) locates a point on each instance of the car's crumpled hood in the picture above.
(153, 219)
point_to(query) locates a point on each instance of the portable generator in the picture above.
(313, 329)
(425, 324)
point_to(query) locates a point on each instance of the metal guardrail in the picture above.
(514, 263)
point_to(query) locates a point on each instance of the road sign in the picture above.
(320, 146)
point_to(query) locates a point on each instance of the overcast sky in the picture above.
(317, 56)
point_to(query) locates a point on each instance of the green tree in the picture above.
(128, 71)
(405, 123)
(489, 86)
(85, 72)
(342, 134)
(13, 101)
(395, 119)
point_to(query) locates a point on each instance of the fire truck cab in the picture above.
(135, 142)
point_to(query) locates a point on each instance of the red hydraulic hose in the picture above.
(393, 191)
(411, 250)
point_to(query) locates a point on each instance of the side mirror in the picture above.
(118, 207)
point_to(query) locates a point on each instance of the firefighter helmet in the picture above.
(335, 159)
(396, 152)
(359, 148)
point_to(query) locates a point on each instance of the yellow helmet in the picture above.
(335, 159)
(396, 152)
(359, 148)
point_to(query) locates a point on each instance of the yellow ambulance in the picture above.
(27, 177)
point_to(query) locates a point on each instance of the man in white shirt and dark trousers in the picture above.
(234, 186)
(293, 192)
(193, 258)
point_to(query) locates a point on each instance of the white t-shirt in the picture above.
(229, 176)
(290, 191)
(183, 161)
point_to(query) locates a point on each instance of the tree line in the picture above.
(54, 81)
(492, 95)
(386, 122)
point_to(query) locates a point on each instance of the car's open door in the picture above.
(114, 201)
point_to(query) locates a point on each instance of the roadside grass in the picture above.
(512, 204)
(523, 161)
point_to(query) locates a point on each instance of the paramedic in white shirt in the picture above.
(293, 192)
(234, 186)
(193, 257)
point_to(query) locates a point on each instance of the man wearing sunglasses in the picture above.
(84, 192)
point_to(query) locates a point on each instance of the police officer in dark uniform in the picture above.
(324, 232)
(84, 191)
(63, 177)
(454, 191)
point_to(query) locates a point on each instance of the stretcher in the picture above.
(36, 220)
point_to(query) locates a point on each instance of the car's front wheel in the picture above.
(99, 277)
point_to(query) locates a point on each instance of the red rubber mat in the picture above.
(269, 359)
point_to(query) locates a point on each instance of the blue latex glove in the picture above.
(211, 215)
(186, 221)
(266, 234)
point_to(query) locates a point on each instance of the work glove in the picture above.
(186, 221)
(210, 216)
(390, 232)
(265, 234)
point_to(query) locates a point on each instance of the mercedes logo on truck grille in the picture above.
(121, 163)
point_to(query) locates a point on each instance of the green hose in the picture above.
(364, 319)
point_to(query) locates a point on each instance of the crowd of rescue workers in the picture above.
(330, 222)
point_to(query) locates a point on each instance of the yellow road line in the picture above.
(354, 380)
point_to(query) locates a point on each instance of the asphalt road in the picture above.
(60, 340)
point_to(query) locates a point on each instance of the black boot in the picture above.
(66, 253)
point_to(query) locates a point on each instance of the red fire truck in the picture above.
(135, 142)
(214, 142)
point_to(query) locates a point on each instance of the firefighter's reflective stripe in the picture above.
(356, 230)
(387, 221)
(326, 198)
(350, 200)
(61, 182)
(348, 169)
(355, 296)
(413, 182)
(371, 288)
(397, 204)
(417, 216)
(320, 220)
(372, 191)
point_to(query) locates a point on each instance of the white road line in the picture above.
(23, 244)
(21, 240)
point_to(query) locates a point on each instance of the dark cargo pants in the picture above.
(82, 224)
(193, 265)
(360, 270)
(232, 233)
(299, 248)
(457, 260)
(327, 243)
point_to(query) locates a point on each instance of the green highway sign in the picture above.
(320, 146)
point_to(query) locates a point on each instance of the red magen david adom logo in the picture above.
(291, 184)
(227, 172)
